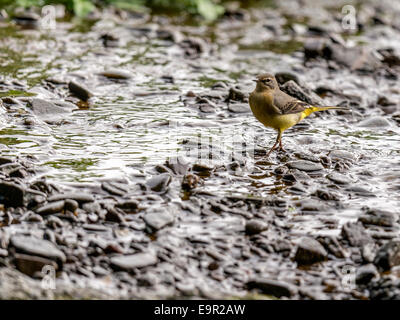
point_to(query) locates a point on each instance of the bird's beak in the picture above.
(255, 80)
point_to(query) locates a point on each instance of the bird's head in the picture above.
(266, 82)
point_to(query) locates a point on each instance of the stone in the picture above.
(239, 108)
(79, 197)
(37, 247)
(51, 208)
(272, 287)
(374, 122)
(338, 178)
(294, 90)
(356, 234)
(11, 194)
(304, 165)
(158, 219)
(30, 265)
(116, 74)
(159, 183)
(379, 218)
(79, 90)
(309, 251)
(255, 226)
(130, 262)
(388, 255)
(366, 273)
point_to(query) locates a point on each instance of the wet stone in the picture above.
(159, 183)
(130, 262)
(116, 74)
(339, 178)
(388, 256)
(375, 122)
(71, 205)
(79, 197)
(272, 287)
(379, 218)
(158, 219)
(32, 264)
(128, 206)
(37, 247)
(255, 226)
(11, 194)
(366, 273)
(356, 234)
(114, 188)
(51, 208)
(79, 90)
(236, 95)
(339, 155)
(239, 108)
(304, 165)
(309, 251)
(293, 89)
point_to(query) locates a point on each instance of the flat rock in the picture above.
(366, 273)
(137, 260)
(379, 218)
(79, 90)
(30, 265)
(338, 178)
(388, 256)
(116, 74)
(79, 197)
(51, 208)
(239, 108)
(159, 183)
(356, 234)
(37, 247)
(272, 287)
(158, 219)
(309, 251)
(304, 165)
(11, 194)
(374, 122)
(255, 226)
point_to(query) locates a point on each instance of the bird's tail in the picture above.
(314, 109)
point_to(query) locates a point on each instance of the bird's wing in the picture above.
(287, 104)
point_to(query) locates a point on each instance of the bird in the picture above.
(278, 110)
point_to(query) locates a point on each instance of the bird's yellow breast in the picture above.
(261, 106)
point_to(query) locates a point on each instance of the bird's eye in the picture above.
(266, 80)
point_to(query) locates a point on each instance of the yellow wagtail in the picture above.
(276, 109)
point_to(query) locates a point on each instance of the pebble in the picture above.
(356, 234)
(338, 178)
(379, 218)
(116, 74)
(239, 108)
(30, 265)
(272, 287)
(38, 247)
(51, 208)
(374, 122)
(255, 226)
(388, 256)
(130, 262)
(366, 273)
(11, 194)
(79, 90)
(159, 183)
(309, 251)
(304, 165)
(158, 219)
(79, 197)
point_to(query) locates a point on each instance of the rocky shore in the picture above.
(319, 221)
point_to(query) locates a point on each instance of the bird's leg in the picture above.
(280, 145)
(278, 138)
